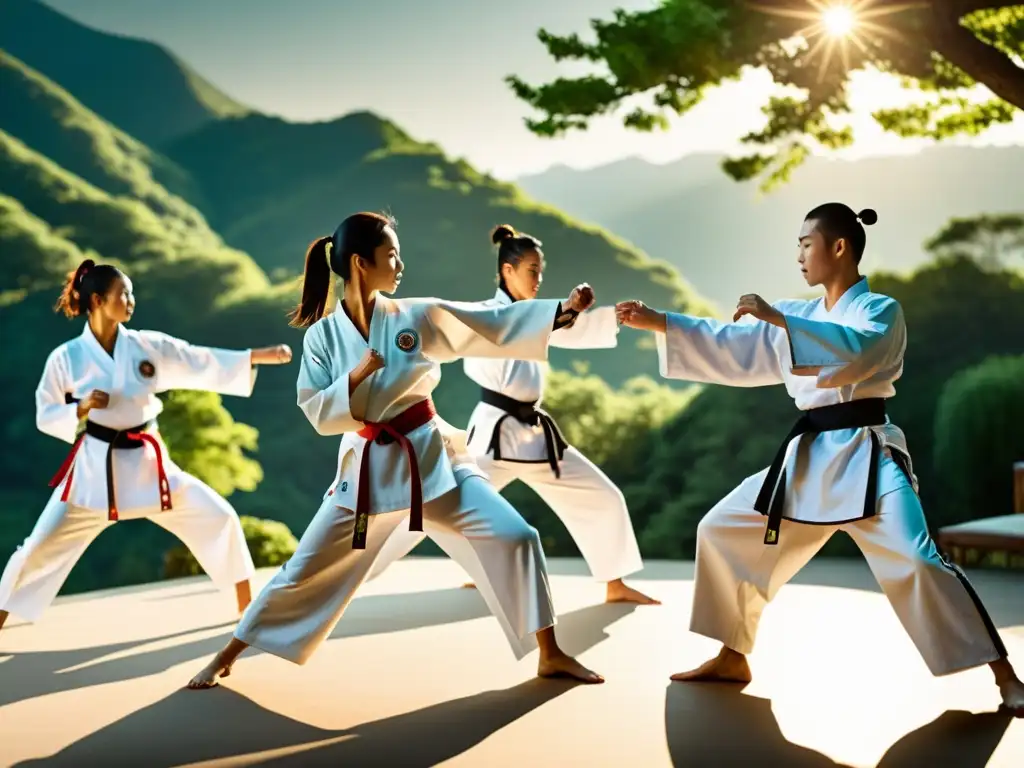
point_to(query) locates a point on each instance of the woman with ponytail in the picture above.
(98, 392)
(512, 438)
(368, 371)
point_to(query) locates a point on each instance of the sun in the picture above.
(838, 20)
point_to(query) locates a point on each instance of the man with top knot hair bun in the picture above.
(843, 466)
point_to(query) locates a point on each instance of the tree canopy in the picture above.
(675, 52)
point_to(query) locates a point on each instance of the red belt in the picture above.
(136, 437)
(393, 431)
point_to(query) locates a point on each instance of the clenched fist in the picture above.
(372, 362)
(581, 299)
(636, 314)
(95, 399)
(276, 355)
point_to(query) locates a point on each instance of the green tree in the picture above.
(270, 543)
(676, 52)
(610, 426)
(978, 437)
(205, 441)
(992, 241)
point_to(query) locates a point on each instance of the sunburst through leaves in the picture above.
(834, 26)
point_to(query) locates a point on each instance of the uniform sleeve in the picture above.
(844, 354)
(323, 399)
(54, 415)
(708, 351)
(180, 365)
(519, 331)
(594, 329)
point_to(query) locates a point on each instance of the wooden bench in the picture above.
(1004, 533)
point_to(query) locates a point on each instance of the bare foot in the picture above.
(469, 585)
(727, 667)
(619, 592)
(1013, 696)
(561, 665)
(208, 677)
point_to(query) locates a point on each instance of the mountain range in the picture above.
(115, 149)
(729, 239)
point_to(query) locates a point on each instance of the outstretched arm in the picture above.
(707, 351)
(180, 365)
(594, 329)
(519, 331)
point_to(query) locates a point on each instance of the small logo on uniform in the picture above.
(344, 486)
(146, 369)
(407, 339)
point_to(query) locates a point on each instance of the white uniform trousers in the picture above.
(588, 503)
(737, 575)
(200, 518)
(472, 523)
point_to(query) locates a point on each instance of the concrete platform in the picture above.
(417, 674)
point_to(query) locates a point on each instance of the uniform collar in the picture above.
(502, 297)
(855, 290)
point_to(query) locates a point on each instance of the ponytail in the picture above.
(70, 300)
(81, 285)
(316, 284)
(358, 235)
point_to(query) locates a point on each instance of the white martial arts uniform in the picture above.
(590, 505)
(853, 352)
(144, 363)
(470, 521)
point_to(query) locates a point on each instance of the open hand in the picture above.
(754, 305)
(636, 314)
(582, 298)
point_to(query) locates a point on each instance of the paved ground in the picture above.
(417, 675)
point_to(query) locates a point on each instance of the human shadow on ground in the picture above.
(193, 726)
(709, 724)
(28, 675)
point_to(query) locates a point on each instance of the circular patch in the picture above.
(407, 339)
(146, 369)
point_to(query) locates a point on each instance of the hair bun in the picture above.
(867, 217)
(502, 232)
(83, 268)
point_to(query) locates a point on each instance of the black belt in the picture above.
(120, 439)
(852, 415)
(134, 437)
(526, 413)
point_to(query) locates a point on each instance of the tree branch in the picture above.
(987, 65)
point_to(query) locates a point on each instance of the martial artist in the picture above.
(367, 373)
(844, 465)
(98, 392)
(512, 438)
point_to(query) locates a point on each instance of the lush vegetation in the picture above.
(663, 60)
(211, 223)
(210, 220)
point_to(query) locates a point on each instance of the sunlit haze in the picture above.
(437, 70)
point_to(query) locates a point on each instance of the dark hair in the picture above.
(90, 279)
(512, 247)
(836, 220)
(358, 235)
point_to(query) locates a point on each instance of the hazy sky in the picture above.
(436, 67)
